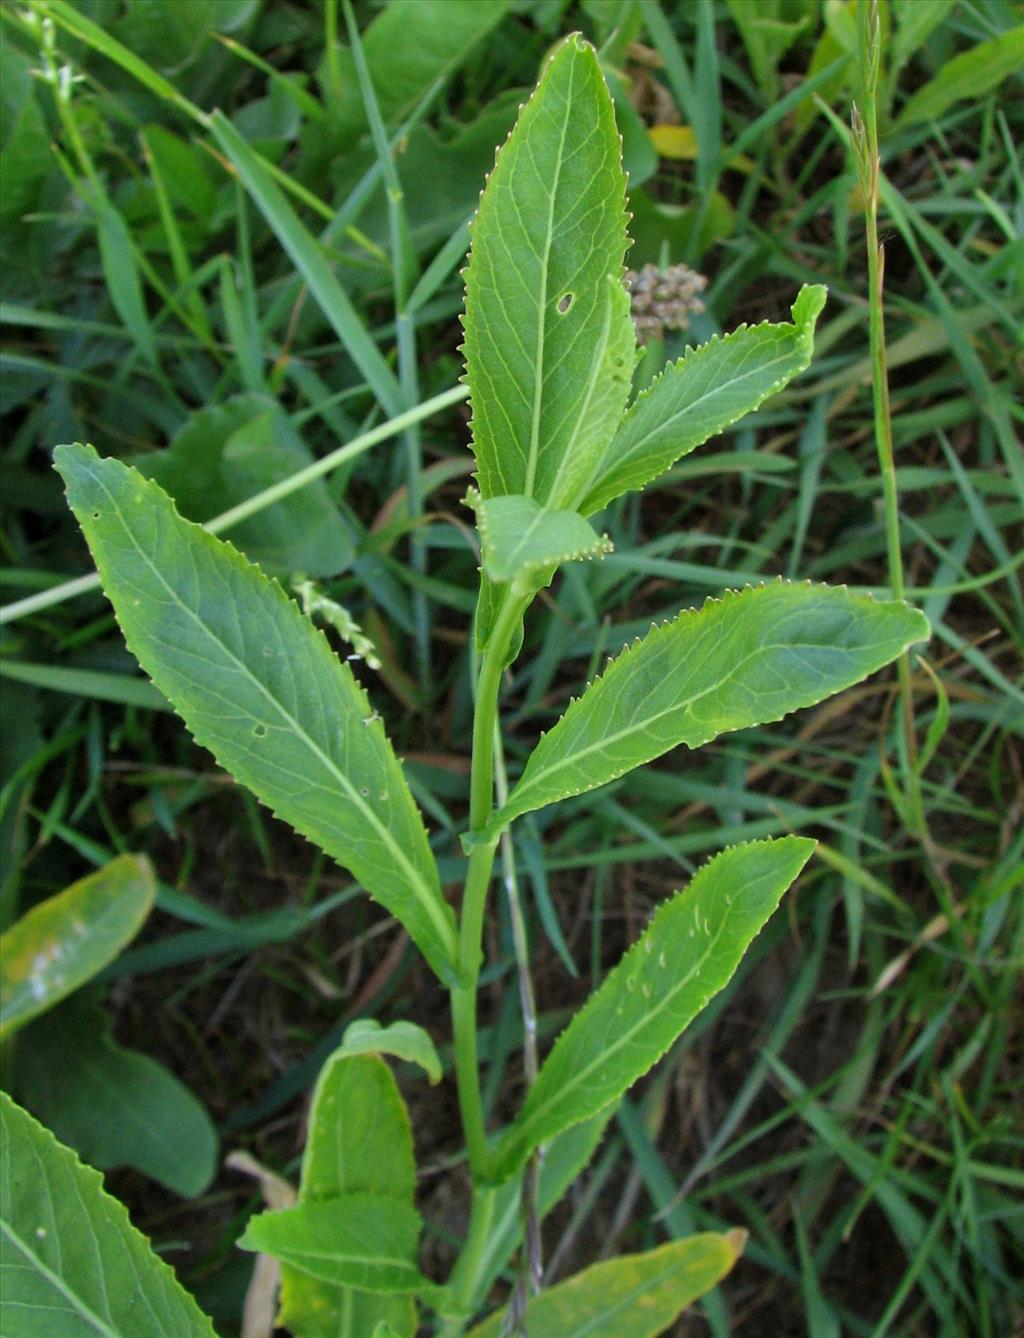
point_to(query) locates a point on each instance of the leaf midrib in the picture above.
(580, 1075)
(420, 889)
(542, 307)
(667, 424)
(531, 782)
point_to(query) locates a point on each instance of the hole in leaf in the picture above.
(95, 515)
(260, 730)
(564, 303)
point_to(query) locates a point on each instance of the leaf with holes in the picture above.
(549, 340)
(259, 686)
(746, 659)
(689, 951)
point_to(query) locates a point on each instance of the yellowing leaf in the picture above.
(674, 141)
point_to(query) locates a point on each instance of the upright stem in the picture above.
(866, 142)
(474, 901)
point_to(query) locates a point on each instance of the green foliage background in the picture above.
(202, 274)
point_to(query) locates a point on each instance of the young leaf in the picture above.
(71, 1255)
(404, 1040)
(114, 1106)
(365, 1241)
(519, 537)
(259, 686)
(685, 956)
(64, 941)
(749, 658)
(706, 390)
(638, 1294)
(549, 340)
(357, 1111)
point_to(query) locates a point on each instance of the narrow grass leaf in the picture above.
(638, 1294)
(71, 1254)
(259, 686)
(549, 341)
(364, 1241)
(690, 950)
(704, 392)
(66, 940)
(121, 271)
(747, 659)
(308, 257)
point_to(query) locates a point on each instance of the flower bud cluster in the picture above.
(663, 299)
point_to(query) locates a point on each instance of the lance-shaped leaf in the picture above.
(703, 393)
(521, 538)
(358, 1141)
(72, 1263)
(549, 340)
(364, 1241)
(746, 659)
(67, 939)
(638, 1294)
(688, 952)
(259, 686)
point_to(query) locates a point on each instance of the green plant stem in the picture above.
(474, 902)
(465, 1279)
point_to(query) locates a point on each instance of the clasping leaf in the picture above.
(519, 538)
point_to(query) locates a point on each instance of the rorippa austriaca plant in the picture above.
(550, 352)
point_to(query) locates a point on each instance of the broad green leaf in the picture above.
(685, 956)
(64, 941)
(549, 340)
(706, 390)
(746, 659)
(72, 1263)
(359, 1141)
(972, 74)
(404, 1040)
(225, 454)
(636, 1294)
(365, 1241)
(115, 1107)
(259, 686)
(519, 537)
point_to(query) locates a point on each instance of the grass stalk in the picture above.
(865, 140)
